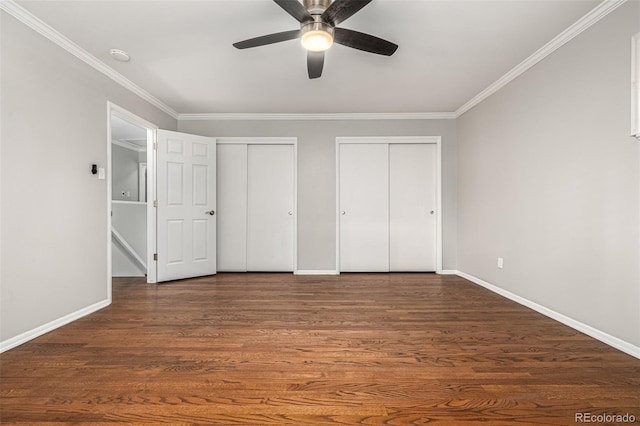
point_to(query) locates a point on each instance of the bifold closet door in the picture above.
(412, 207)
(232, 207)
(364, 207)
(270, 204)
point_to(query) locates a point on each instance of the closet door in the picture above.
(412, 205)
(232, 207)
(270, 204)
(364, 208)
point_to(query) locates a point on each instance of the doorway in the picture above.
(161, 200)
(131, 186)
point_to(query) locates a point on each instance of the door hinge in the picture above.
(155, 203)
(155, 146)
(155, 257)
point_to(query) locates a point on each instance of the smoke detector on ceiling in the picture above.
(119, 55)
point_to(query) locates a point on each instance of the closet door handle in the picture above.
(343, 212)
(290, 213)
(211, 212)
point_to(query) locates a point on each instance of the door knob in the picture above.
(343, 213)
(290, 213)
(211, 212)
(432, 212)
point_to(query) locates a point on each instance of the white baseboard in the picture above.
(5, 345)
(334, 272)
(610, 340)
(316, 272)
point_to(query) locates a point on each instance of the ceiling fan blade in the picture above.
(315, 63)
(267, 39)
(341, 10)
(362, 41)
(295, 9)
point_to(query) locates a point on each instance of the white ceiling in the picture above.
(124, 131)
(182, 51)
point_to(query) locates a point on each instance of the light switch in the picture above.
(101, 173)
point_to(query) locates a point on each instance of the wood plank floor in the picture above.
(375, 349)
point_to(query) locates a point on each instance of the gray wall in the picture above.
(317, 174)
(549, 180)
(125, 165)
(53, 211)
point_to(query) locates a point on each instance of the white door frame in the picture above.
(117, 111)
(635, 86)
(437, 140)
(276, 141)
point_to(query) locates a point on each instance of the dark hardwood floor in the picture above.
(379, 349)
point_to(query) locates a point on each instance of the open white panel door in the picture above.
(186, 193)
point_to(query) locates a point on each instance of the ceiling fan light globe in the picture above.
(317, 40)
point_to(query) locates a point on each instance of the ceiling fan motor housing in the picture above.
(316, 25)
(316, 7)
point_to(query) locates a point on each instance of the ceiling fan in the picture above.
(318, 31)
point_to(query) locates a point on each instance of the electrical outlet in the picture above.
(500, 262)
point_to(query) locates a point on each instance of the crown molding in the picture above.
(595, 15)
(311, 116)
(33, 22)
